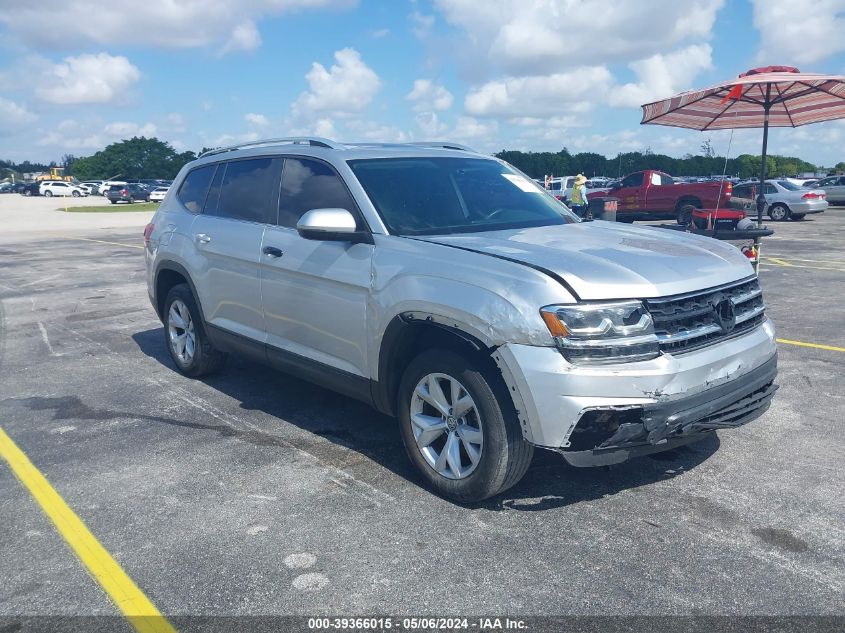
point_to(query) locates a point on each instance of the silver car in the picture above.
(834, 187)
(785, 199)
(444, 288)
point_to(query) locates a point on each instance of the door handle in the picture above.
(202, 238)
(272, 251)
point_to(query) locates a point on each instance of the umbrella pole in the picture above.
(761, 198)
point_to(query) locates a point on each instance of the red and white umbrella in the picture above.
(780, 96)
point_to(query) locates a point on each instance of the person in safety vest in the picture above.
(578, 199)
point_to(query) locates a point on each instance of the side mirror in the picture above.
(331, 225)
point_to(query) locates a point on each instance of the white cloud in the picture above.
(421, 24)
(13, 115)
(430, 125)
(346, 88)
(788, 31)
(245, 37)
(101, 78)
(258, 120)
(379, 33)
(75, 135)
(428, 96)
(470, 128)
(661, 76)
(557, 94)
(371, 131)
(534, 37)
(153, 23)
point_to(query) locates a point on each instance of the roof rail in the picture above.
(442, 144)
(313, 141)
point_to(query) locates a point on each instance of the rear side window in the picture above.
(246, 190)
(634, 180)
(195, 187)
(309, 184)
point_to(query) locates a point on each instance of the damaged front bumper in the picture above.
(604, 415)
(651, 428)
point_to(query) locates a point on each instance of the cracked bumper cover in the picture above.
(651, 405)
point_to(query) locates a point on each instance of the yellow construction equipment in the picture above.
(56, 173)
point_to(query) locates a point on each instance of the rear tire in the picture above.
(489, 454)
(779, 212)
(48, 194)
(131, 200)
(185, 336)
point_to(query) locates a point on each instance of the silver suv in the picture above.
(446, 288)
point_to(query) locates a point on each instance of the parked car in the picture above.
(107, 184)
(51, 188)
(785, 200)
(436, 285)
(129, 192)
(31, 189)
(157, 194)
(834, 187)
(6, 187)
(653, 195)
(91, 186)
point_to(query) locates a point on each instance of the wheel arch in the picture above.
(169, 274)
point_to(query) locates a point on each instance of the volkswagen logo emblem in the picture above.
(725, 315)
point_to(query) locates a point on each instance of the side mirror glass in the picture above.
(331, 225)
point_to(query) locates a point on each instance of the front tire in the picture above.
(185, 335)
(75, 194)
(778, 212)
(459, 427)
(684, 211)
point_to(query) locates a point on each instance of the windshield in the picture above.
(437, 196)
(788, 185)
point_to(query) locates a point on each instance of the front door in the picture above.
(315, 293)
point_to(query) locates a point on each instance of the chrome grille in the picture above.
(686, 322)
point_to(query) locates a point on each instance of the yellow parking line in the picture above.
(141, 613)
(88, 239)
(830, 348)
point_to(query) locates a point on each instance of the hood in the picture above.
(607, 260)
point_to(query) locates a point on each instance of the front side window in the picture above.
(194, 188)
(437, 196)
(634, 180)
(310, 184)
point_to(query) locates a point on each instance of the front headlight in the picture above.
(599, 333)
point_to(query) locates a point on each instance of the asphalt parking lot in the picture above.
(254, 493)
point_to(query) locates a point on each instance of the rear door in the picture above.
(227, 238)
(315, 293)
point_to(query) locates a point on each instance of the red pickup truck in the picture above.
(653, 195)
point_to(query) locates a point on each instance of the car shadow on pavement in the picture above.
(352, 425)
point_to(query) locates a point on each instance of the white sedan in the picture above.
(58, 188)
(157, 194)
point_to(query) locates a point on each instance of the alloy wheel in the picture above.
(447, 426)
(180, 332)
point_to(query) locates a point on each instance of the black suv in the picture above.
(128, 193)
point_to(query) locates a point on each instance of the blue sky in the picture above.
(528, 74)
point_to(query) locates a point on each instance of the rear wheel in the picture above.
(185, 335)
(683, 212)
(778, 212)
(27, 193)
(131, 199)
(459, 427)
(48, 193)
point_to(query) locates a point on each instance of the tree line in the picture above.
(141, 157)
(563, 163)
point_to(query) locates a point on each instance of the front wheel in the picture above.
(75, 194)
(131, 199)
(684, 213)
(185, 335)
(459, 427)
(778, 212)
